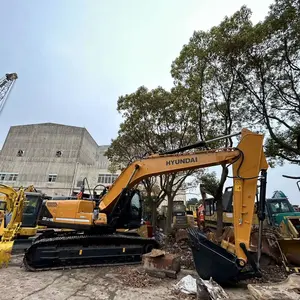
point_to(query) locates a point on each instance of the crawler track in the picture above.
(81, 251)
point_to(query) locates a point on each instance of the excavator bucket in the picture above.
(5, 253)
(212, 260)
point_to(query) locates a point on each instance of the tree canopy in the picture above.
(236, 74)
(154, 121)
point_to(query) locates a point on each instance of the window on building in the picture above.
(20, 153)
(12, 177)
(107, 178)
(52, 177)
(8, 176)
(79, 183)
(58, 154)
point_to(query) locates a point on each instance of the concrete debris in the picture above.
(161, 264)
(157, 253)
(182, 249)
(214, 290)
(204, 289)
(288, 289)
(187, 285)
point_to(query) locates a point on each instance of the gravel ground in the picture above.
(111, 283)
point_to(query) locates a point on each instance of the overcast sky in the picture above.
(75, 58)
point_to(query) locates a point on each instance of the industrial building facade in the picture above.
(54, 158)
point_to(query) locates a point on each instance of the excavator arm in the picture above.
(247, 160)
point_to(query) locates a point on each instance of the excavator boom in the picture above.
(163, 164)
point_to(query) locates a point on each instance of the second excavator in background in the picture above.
(19, 213)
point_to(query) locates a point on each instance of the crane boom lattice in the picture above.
(6, 85)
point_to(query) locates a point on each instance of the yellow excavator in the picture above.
(95, 240)
(19, 213)
(13, 202)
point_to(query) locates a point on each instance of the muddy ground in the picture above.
(111, 283)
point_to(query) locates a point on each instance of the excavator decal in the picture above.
(182, 161)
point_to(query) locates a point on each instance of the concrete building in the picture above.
(54, 158)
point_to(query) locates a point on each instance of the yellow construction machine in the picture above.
(13, 203)
(19, 213)
(95, 240)
(281, 234)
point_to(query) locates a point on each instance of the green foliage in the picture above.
(192, 201)
(209, 183)
(269, 72)
(234, 75)
(154, 120)
(242, 75)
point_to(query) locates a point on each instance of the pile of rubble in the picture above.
(178, 244)
(270, 274)
(136, 277)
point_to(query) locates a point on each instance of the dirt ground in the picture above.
(111, 283)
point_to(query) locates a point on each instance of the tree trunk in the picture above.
(169, 213)
(154, 214)
(218, 198)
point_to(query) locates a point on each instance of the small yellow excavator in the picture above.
(95, 240)
(19, 212)
(14, 203)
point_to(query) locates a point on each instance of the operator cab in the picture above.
(32, 209)
(128, 211)
(279, 208)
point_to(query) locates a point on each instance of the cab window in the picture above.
(2, 205)
(135, 204)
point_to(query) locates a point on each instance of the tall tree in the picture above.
(270, 75)
(154, 120)
(205, 72)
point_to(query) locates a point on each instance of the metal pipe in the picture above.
(261, 211)
(200, 144)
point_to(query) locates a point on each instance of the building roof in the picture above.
(61, 125)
